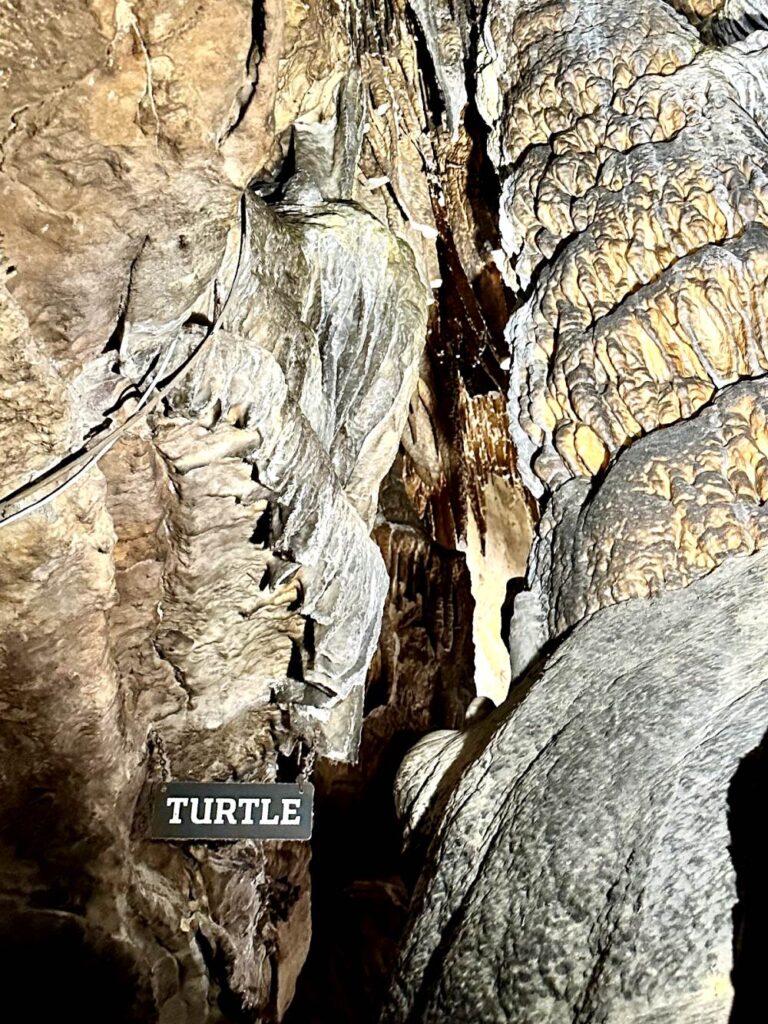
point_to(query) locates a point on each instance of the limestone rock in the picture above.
(671, 508)
(587, 876)
(314, 316)
(195, 293)
(580, 868)
(634, 192)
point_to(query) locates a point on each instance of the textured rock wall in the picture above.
(583, 867)
(223, 225)
(205, 600)
(580, 867)
(268, 272)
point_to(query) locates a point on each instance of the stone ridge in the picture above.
(633, 196)
(580, 870)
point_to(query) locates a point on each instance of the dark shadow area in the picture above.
(56, 974)
(749, 853)
(421, 678)
(359, 897)
(515, 586)
(717, 31)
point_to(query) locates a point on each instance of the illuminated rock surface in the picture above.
(581, 868)
(345, 348)
(206, 600)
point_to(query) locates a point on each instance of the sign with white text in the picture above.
(232, 810)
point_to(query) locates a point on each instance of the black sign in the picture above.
(232, 810)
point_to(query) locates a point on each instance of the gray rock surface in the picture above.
(580, 868)
(257, 259)
(581, 871)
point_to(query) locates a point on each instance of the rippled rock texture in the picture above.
(204, 288)
(591, 864)
(315, 317)
(224, 225)
(583, 867)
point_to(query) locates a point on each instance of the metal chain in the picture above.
(160, 755)
(306, 767)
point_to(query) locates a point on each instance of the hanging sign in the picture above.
(232, 810)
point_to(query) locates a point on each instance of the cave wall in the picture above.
(223, 227)
(358, 359)
(589, 864)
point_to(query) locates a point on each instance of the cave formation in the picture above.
(385, 404)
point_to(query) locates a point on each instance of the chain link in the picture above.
(160, 755)
(306, 767)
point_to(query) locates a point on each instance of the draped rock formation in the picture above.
(220, 254)
(358, 359)
(580, 868)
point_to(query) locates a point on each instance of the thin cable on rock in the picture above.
(149, 399)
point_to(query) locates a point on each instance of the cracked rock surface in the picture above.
(584, 866)
(359, 359)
